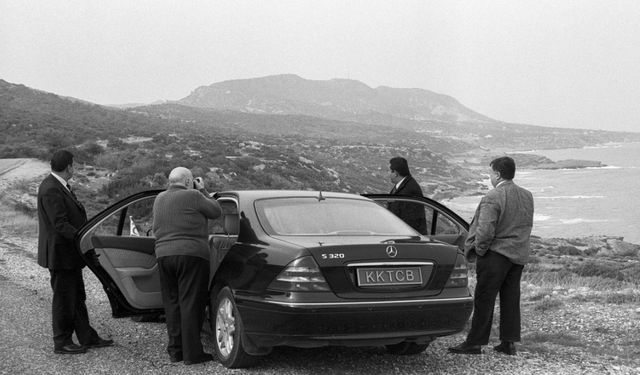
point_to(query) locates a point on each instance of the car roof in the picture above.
(260, 194)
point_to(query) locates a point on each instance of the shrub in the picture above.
(621, 298)
(548, 304)
(559, 338)
(538, 296)
(25, 208)
(567, 250)
(601, 269)
(591, 250)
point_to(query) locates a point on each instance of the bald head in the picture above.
(181, 176)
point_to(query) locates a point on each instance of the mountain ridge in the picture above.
(338, 98)
(137, 147)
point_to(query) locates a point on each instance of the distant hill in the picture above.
(340, 99)
(421, 111)
(233, 150)
(344, 148)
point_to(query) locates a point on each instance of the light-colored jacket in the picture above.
(502, 223)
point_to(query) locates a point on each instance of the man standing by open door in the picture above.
(60, 215)
(405, 185)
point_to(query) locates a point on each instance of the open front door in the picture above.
(441, 223)
(118, 246)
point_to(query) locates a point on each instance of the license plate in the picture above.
(389, 276)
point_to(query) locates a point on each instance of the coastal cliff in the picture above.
(533, 161)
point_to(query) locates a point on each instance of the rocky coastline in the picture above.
(591, 246)
(533, 161)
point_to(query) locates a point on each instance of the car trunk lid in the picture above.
(360, 267)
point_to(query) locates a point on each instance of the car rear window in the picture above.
(328, 217)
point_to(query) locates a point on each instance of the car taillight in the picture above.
(459, 277)
(301, 275)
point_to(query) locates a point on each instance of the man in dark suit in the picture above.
(60, 215)
(406, 185)
(499, 241)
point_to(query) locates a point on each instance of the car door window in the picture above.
(428, 214)
(445, 225)
(135, 219)
(439, 225)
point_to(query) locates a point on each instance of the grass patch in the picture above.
(603, 330)
(601, 269)
(26, 209)
(538, 296)
(19, 211)
(626, 354)
(620, 298)
(546, 304)
(566, 279)
(558, 338)
(615, 298)
(17, 222)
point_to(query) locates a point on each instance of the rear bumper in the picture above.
(358, 323)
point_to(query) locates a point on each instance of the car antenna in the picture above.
(320, 197)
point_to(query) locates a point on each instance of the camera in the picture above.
(199, 180)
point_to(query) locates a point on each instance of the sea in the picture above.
(580, 202)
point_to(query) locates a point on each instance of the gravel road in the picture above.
(26, 345)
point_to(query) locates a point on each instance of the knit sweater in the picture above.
(180, 222)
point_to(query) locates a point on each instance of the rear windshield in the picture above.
(328, 217)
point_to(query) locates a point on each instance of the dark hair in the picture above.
(505, 166)
(399, 165)
(60, 160)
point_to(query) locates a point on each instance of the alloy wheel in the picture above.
(225, 327)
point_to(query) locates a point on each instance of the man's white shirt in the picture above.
(62, 180)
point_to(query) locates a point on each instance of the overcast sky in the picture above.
(553, 63)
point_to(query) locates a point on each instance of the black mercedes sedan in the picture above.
(299, 268)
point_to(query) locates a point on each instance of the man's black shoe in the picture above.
(175, 357)
(205, 357)
(70, 349)
(153, 318)
(506, 347)
(99, 343)
(465, 348)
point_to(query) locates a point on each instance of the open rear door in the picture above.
(118, 246)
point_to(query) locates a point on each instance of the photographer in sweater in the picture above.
(180, 218)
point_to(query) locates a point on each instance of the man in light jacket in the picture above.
(499, 242)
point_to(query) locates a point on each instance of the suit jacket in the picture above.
(411, 213)
(502, 223)
(60, 215)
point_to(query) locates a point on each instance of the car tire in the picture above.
(406, 348)
(227, 332)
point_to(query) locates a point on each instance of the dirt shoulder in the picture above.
(22, 168)
(26, 347)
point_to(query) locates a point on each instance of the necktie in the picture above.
(71, 191)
